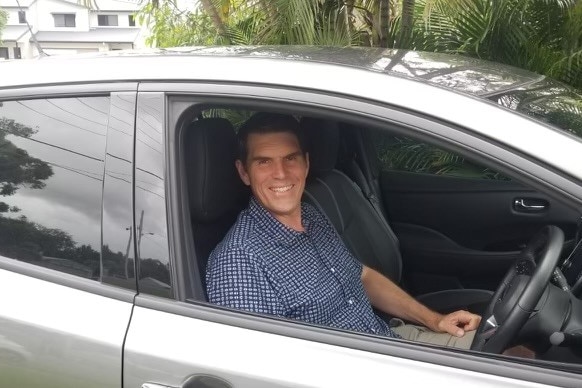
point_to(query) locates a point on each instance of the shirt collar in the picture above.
(274, 228)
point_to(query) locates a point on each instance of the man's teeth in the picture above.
(281, 189)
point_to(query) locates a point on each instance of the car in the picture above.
(117, 180)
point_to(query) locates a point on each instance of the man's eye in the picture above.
(292, 157)
(262, 162)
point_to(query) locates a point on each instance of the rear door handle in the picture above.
(194, 381)
(530, 205)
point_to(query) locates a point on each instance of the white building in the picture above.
(67, 27)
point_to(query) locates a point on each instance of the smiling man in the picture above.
(282, 257)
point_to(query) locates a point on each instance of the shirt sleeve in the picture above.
(234, 279)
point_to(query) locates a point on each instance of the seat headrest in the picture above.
(322, 143)
(214, 187)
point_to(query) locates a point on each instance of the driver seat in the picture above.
(363, 230)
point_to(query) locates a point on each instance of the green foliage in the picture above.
(271, 22)
(172, 28)
(540, 35)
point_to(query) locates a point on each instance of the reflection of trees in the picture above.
(17, 168)
(27, 241)
(558, 107)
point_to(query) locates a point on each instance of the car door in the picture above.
(65, 303)
(177, 339)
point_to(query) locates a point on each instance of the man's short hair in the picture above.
(265, 122)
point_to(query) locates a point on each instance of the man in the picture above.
(283, 257)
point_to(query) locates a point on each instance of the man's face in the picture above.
(275, 170)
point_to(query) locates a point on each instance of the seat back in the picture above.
(216, 193)
(362, 229)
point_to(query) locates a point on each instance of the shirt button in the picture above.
(351, 301)
(332, 270)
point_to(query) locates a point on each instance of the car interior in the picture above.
(450, 238)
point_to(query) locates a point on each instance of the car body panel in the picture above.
(66, 337)
(167, 348)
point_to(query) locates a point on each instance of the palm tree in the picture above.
(539, 35)
(406, 25)
(211, 10)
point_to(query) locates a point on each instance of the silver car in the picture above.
(117, 180)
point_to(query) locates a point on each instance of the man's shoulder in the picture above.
(239, 238)
(315, 215)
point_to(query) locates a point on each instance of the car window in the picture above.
(399, 153)
(51, 176)
(548, 101)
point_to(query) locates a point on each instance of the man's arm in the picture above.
(388, 297)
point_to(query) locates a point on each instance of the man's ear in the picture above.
(242, 172)
(307, 161)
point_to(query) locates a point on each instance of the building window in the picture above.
(131, 20)
(64, 19)
(4, 52)
(107, 20)
(21, 17)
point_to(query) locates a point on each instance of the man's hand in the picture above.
(457, 323)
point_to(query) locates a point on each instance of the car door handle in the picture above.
(194, 381)
(530, 205)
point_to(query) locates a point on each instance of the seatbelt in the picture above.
(360, 180)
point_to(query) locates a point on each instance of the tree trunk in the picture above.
(214, 16)
(406, 25)
(269, 9)
(349, 12)
(384, 23)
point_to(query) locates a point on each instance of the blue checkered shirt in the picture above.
(264, 267)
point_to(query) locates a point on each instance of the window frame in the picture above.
(66, 23)
(131, 20)
(107, 18)
(21, 17)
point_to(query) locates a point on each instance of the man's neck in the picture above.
(291, 221)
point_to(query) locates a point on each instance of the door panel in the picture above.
(56, 336)
(461, 232)
(168, 349)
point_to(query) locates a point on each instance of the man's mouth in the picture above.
(281, 189)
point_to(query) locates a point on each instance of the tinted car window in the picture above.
(548, 101)
(51, 178)
(405, 154)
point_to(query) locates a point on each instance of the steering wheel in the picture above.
(520, 291)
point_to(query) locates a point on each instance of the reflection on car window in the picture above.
(404, 154)
(51, 177)
(549, 101)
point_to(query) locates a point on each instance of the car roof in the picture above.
(461, 73)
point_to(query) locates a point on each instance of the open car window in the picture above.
(210, 223)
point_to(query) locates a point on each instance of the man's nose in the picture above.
(279, 170)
